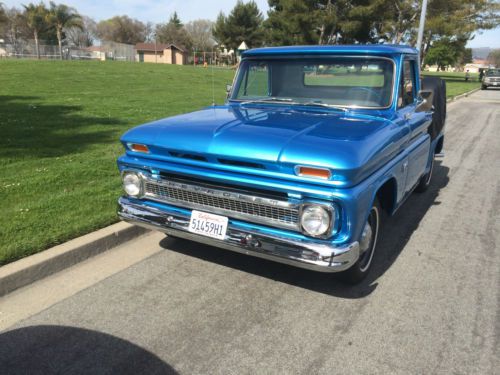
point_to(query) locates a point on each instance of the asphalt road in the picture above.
(431, 305)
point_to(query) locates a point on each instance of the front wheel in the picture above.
(425, 180)
(367, 246)
(483, 87)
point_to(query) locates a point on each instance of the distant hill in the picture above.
(481, 52)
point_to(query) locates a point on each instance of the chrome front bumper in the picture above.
(316, 256)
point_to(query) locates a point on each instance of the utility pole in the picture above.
(421, 25)
(156, 53)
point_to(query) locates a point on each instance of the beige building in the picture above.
(160, 53)
(96, 52)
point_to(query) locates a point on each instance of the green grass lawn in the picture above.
(60, 124)
(455, 82)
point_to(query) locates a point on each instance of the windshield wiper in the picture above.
(268, 100)
(320, 104)
(291, 101)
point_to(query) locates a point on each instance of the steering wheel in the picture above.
(368, 90)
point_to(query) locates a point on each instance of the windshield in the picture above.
(493, 72)
(335, 81)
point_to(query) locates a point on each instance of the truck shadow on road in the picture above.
(48, 349)
(396, 233)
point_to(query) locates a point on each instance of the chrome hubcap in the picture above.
(366, 238)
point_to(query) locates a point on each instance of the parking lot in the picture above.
(431, 304)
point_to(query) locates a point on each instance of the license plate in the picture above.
(495, 83)
(209, 225)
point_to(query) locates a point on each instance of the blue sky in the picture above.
(160, 10)
(148, 10)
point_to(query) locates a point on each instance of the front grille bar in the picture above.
(236, 205)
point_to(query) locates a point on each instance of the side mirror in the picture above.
(424, 101)
(228, 89)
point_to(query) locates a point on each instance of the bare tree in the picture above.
(83, 36)
(200, 32)
(14, 28)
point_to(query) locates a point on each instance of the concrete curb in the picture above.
(464, 95)
(35, 267)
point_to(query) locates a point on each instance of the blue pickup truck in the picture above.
(314, 145)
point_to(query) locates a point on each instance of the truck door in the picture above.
(419, 141)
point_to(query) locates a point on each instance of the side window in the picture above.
(407, 84)
(256, 82)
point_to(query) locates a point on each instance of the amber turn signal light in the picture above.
(137, 147)
(313, 172)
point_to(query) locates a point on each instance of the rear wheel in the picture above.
(367, 247)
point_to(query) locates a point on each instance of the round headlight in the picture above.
(315, 220)
(132, 184)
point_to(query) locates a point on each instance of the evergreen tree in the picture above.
(175, 20)
(173, 32)
(243, 24)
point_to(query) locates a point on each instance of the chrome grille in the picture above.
(243, 206)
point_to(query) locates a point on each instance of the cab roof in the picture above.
(355, 49)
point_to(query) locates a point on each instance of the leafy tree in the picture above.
(388, 20)
(449, 52)
(442, 53)
(200, 32)
(244, 23)
(321, 22)
(372, 21)
(292, 22)
(35, 17)
(173, 32)
(61, 16)
(494, 57)
(465, 56)
(123, 29)
(458, 18)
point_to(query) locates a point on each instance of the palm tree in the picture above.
(62, 16)
(35, 17)
(2, 13)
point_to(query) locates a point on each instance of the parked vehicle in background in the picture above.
(491, 79)
(314, 146)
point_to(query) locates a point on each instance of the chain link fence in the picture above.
(104, 51)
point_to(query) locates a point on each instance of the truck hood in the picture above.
(275, 138)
